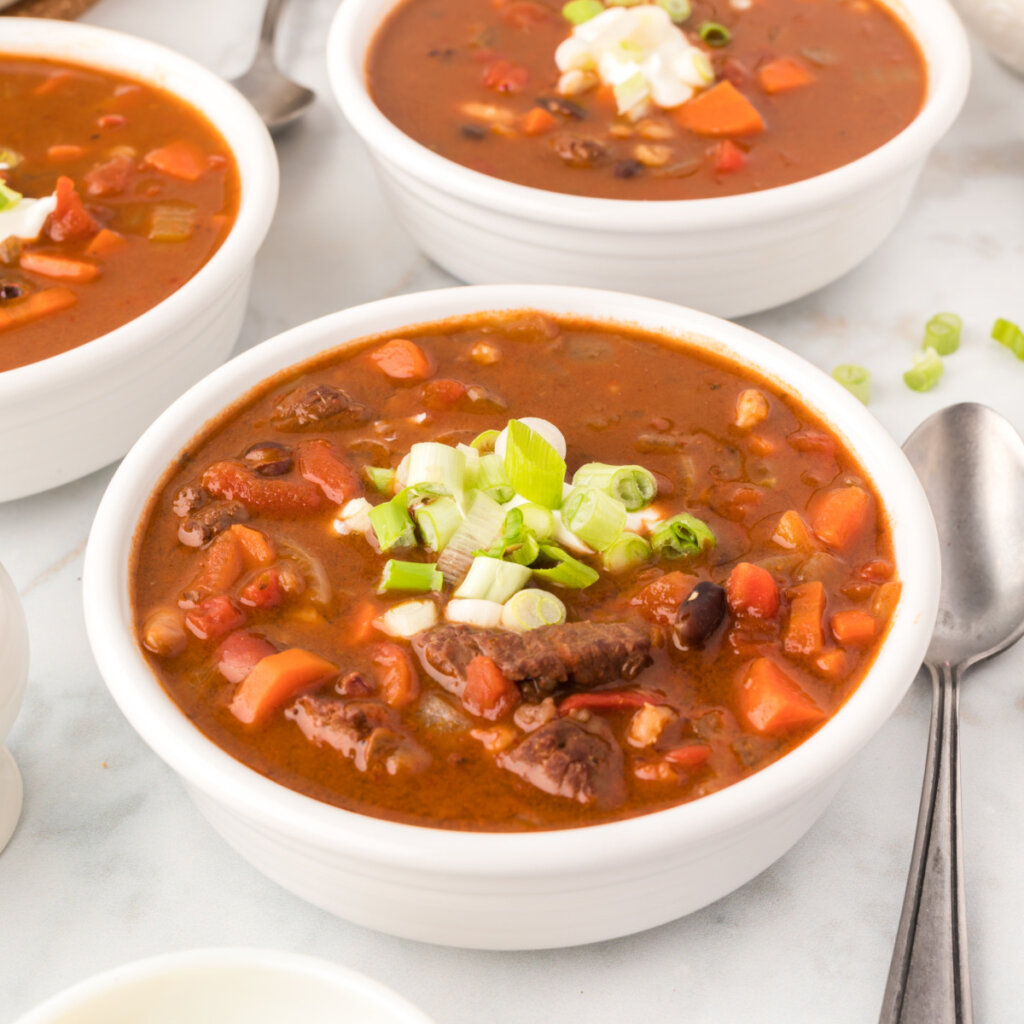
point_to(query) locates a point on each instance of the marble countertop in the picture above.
(112, 861)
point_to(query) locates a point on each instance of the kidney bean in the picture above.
(268, 458)
(699, 615)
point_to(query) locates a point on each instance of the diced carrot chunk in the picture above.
(792, 533)
(773, 703)
(214, 617)
(722, 110)
(222, 563)
(804, 633)
(402, 359)
(840, 515)
(320, 463)
(396, 674)
(488, 693)
(63, 268)
(105, 242)
(853, 626)
(180, 159)
(783, 74)
(359, 628)
(36, 306)
(751, 590)
(537, 121)
(832, 662)
(257, 548)
(276, 679)
(64, 151)
(659, 601)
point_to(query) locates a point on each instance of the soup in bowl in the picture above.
(563, 591)
(733, 156)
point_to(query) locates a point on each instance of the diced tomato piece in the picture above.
(729, 157)
(783, 74)
(537, 121)
(221, 565)
(504, 76)
(443, 394)
(263, 591)
(402, 359)
(610, 700)
(214, 617)
(659, 601)
(853, 626)
(792, 533)
(524, 14)
(70, 220)
(751, 590)
(320, 463)
(692, 755)
(722, 110)
(804, 633)
(180, 159)
(111, 120)
(239, 654)
(262, 495)
(257, 548)
(110, 178)
(397, 677)
(277, 678)
(839, 516)
(488, 693)
(773, 703)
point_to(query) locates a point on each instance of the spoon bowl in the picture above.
(971, 464)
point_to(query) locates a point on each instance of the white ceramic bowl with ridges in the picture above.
(227, 986)
(520, 890)
(67, 416)
(731, 255)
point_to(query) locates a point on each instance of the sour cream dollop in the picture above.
(25, 218)
(641, 53)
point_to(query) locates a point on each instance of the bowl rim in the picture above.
(209, 959)
(247, 139)
(565, 852)
(937, 30)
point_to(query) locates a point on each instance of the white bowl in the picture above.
(497, 890)
(730, 255)
(66, 416)
(13, 676)
(227, 986)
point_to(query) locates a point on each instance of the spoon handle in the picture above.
(929, 981)
(268, 29)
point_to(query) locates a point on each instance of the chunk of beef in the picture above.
(570, 758)
(313, 405)
(366, 731)
(204, 523)
(580, 654)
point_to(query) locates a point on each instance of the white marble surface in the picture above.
(112, 862)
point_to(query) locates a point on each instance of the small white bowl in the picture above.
(13, 676)
(518, 890)
(68, 415)
(731, 255)
(227, 986)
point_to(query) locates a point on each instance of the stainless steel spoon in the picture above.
(277, 99)
(971, 462)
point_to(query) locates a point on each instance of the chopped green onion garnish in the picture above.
(1007, 333)
(579, 11)
(419, 576)
(533, 467)
(631, 92)
(491, 479)
(567, 571)
(380, 479)
(8, 197)
(627, 552)
(634, 486)
(539, 521)
(681, 536)
(593, 516)
(391, 523)
(714, 34)
(441, 465)
(525, 551)
(437, 522)
(9, 158)
(926, 371)
(485, 442)
(484, 518)
(678, 10)
(516, 543)
(491, 579)
(855, 379)
(532, 608)
(942, 333)
(408, 618)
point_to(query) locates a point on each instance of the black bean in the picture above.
(268, 458)
(473, 131)
(627, 168)
(699, 615)
(205, 523)
(560, 105)
(10, 291)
